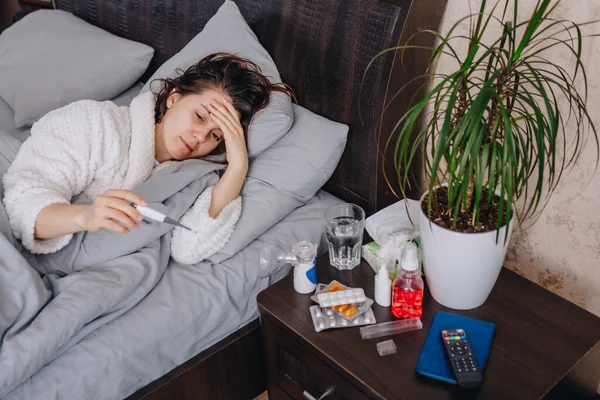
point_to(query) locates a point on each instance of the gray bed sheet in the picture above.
(170, 325)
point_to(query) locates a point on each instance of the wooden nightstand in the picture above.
(544, 346)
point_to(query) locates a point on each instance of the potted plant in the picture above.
(495, 142)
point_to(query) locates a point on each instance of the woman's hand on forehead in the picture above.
(228, 120)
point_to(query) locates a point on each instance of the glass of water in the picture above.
(345, 224)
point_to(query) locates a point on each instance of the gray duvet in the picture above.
(93, 280)
(111, 315)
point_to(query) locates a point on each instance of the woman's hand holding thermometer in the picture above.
(158, 216)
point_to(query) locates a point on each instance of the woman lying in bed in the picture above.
(99, 151)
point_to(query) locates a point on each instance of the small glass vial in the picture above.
(407, 289)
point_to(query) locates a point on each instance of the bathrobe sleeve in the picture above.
(52, 166)
(211, 234)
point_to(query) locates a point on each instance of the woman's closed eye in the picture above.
(216, 136)
(199, 117)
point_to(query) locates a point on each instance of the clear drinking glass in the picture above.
(344, 229)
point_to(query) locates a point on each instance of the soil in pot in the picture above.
(488, 213)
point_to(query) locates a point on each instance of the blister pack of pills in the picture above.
(321, 287)
(341, 297)
(349, 311)
(325, 318)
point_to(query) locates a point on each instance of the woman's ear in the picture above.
(174, 96)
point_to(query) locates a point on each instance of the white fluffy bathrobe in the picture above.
(87, 147)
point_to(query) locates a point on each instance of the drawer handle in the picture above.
(311, 397)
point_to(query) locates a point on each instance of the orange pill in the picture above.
(350, 312)
(341, 288)
(334, 287)
(343, 308)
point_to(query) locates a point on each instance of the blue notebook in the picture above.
(433, 361)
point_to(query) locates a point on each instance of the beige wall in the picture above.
(561, 251)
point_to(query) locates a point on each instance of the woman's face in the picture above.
(187, 129)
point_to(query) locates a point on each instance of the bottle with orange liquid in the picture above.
(407, 289)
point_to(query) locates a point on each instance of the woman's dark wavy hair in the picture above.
(239, 78)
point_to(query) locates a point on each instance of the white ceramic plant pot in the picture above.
(461, 268)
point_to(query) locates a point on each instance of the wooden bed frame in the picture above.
(322, 48)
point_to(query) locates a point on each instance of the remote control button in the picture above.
(459, 349)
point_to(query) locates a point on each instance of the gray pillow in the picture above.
(7, 117)
(9, 147)
(7, 123)
(125, 98)
(227, 31)
(305, 158)
(51, 58)
(286, 176)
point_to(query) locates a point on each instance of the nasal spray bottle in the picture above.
(383, 287)
(302, 258)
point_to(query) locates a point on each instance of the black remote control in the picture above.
(464, 365)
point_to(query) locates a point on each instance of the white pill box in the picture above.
(338, 298)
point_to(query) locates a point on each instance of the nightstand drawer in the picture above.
(303, 375)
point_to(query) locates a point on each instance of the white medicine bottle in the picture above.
(383, 287)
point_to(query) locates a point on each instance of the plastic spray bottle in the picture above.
(383, 287)
(407, 290)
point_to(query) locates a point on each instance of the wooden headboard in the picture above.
(321, 48)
